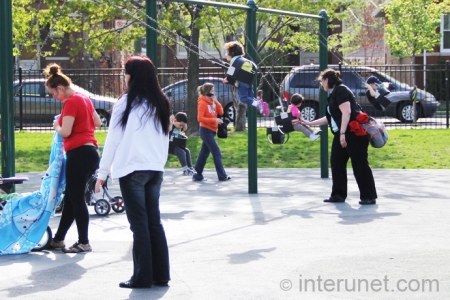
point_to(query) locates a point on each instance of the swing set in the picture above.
(277, 132)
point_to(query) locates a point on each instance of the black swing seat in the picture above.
(180, 141)
(284, 122)
(381, 99)
(242, 70)
(275, 136)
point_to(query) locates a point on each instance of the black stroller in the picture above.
(102, 206)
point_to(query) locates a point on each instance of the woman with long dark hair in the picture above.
(341, 109)
(135, 151)
(76, 125)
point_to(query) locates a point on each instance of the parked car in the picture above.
(177, 94)
(39, 107)
(303, 80)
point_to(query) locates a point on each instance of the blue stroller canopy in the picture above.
(25, 217)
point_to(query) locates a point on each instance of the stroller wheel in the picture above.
(102, 207)
(118, 205)
(45, 240)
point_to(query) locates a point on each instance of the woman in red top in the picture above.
(76, 125)
(208, 110)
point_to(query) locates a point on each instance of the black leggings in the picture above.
(80, 165)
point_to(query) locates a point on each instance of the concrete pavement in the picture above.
(282, 243)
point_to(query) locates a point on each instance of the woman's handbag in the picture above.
(366, 125)
(222, 130)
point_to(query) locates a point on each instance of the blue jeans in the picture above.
(140, 191)
(209, 145)
(245, 93)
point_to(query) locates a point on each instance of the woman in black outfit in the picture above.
(341, 109)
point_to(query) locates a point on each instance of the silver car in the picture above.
(38, 107)
(303, 80)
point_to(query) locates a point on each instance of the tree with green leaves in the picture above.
(412, 26)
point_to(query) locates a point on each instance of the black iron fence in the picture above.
(35, 108)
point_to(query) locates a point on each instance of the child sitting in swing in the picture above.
(293, 108)
(235, 50)
(179, 125)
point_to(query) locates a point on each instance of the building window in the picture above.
(204, 47)
(445, 30)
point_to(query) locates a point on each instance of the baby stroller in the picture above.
(102, 206)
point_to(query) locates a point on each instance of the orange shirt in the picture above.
(207, 113)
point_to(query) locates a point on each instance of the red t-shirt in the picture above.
(80, 107)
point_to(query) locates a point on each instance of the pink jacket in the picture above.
(294, 111)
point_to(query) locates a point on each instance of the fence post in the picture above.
(20, 99)
(447, 67)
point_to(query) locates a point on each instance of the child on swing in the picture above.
(293, 108)
(179, 125)
(235, 50)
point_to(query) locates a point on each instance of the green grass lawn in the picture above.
(406, 149)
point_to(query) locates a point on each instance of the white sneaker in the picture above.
(315, 135)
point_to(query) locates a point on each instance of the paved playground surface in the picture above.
(281, 243)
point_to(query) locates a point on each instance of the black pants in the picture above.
(80, 165)
(356, 150)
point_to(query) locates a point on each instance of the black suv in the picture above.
(303, 80)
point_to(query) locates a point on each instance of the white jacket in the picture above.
(141, 146)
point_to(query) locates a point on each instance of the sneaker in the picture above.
(263, 108)
(193, 170)
(315, 135)
(57, 244)
(189, 172)
(77, 248)
(413, 93)
(225, 178)
(196, 177)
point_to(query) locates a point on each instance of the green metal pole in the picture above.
(6, 89)
(252, 145)
(151, 35)
(323, 64)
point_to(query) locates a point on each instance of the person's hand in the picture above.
(55, 125)
(224, 81)
(219, 121)
(98, 184)
(304, 122)
(343, 141)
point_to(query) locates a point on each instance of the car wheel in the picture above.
(309, 111)
(405, 112)
(104, 117)
(230, 112)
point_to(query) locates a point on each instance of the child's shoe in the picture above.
(315, 135)
(189, 172)
(263, 108)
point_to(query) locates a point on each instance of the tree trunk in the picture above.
(241, 116)
(192, 76)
